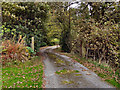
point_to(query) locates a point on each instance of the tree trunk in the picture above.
(81, 48)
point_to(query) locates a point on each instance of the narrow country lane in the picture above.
(76, 76)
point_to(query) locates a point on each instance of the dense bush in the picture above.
(102, 41)
(26, 19)
(12, 51)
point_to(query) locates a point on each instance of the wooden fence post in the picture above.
(32, 44)
(83, 50)
(20, 37)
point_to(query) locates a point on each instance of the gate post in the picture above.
(32, 44)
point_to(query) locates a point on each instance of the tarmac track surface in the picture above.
(85, 78)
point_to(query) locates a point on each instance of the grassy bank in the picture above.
(103, 70)
(23, 75)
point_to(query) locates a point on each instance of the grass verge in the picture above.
(104, 71)
(23, 75)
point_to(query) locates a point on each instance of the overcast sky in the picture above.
(76, 5)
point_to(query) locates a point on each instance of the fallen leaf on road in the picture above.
(88, 74)
(103, 79)
(84, 70)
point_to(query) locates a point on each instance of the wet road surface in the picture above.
(61, 72)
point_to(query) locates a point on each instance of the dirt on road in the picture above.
(62, 72)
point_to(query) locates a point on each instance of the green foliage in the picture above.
(30, 50)
(53, 29)
(100, 32)
(104, 40)
(95, 25)
(55, 40)
(43, 44)
(113, 82)
(65, 71)
(63, 20)
(27, 19)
